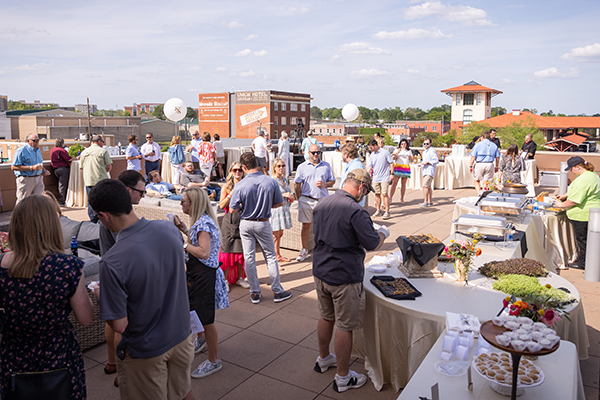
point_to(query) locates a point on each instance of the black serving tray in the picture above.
(386, 292)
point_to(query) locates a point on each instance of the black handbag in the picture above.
(55, 384)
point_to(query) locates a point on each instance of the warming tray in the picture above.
(484, 224)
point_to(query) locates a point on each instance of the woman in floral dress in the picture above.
(511, 166)
(39, 286)
(206, 155)
(207, 288)
(281, 218)
(231, 254)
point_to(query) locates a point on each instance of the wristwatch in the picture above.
(185, 246)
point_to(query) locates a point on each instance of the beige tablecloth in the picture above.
(415, 181)
(457, 173)
(334, 158)
(233, 154)
(397, 335)
(561, 369)
(76, 195)
(166, 172)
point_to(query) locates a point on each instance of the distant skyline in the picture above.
(542, 55)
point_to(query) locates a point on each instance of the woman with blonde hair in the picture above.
(177, 159)
(206, 283)
(231, 254)
(281, 218)
(39, 286)
(402, 158)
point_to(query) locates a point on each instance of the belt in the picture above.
(29, 176)
(256, 219)
(481, 162)
(312, 198)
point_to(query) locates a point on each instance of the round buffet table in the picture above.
(398, 335)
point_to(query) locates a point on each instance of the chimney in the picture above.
(516, 113)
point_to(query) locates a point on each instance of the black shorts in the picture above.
(261, 162)
(201, 289)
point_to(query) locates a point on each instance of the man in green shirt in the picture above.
(96, 164)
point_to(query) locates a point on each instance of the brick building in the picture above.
(240, 114)
(141, 108)
(470, 102)
(334, 129)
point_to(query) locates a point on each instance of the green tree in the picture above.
(413, 113)
(547, 114)
(365, 114)
(391, 114)
(126, 114)
(332, 113)
(190, 113)
(446, 139)
(159, 112)
(315, 113)
(498, 111)
(421, 136)
(516, 132)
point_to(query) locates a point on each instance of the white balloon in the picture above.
(175, 109)
(350, 112)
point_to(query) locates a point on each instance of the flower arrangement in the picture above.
(494, 185)
(463, 252)
(537, 308)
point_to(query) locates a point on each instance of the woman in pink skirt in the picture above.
(402, 158)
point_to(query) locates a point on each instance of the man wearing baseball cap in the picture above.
(343, 231)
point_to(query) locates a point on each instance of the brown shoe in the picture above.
(110, 369)
(117, 381)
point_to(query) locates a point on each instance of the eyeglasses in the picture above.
(315, 152)
(35, 140)
(426, 144)
(148, 137)
(142, 192)
(280, 166)
(236, 170)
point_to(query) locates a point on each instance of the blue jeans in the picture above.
(90, 211)
(150, 166)
(251, 232)
(217, 190)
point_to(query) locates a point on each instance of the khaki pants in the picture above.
(28, 186)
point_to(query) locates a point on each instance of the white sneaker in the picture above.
(243, 283)
(207, 368)
(352, 381)
(323, 364)
(199, 345)
(377, 213)
(303, 255)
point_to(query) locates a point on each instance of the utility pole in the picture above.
(89, 122)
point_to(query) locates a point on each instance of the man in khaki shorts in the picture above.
(381, 165)
(430, 162)
(343, 230)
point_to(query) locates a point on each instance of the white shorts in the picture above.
(483, 171)
(305, 209)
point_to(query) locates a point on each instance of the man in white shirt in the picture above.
(151, 153)
(260, 146)
(132, 155)
(193, 146)
(430, 162)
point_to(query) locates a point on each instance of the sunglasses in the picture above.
(280, 166)
(236, 170)
(315, 152)
(426, 144)
(142, 192)
(35, 140)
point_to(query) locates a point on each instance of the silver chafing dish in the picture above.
(484, 224)
(502, 203)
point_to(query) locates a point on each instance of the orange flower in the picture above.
(478, 253)
(522, 305)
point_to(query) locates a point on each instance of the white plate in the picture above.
(452, 368)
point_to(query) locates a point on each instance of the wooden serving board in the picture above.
(489, 331)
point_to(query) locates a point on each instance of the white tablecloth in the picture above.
(76, 195)
(334, 158)
(397, 335)
(457, 173)
(166, 172)
(233, 154)
(561, 369)
(415, 181)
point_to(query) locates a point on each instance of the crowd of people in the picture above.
(154, 273)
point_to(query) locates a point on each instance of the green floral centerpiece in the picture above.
(529, 286)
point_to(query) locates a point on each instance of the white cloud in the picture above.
(235, 24)
(362, 48)
(250, 37)
(368, 73)
(413, 33)
(413, 71)
(246, 74)
(466, 15)
(38, 68)
(335, 59)
(589, 53)
(243, 53)
(220, 69)
(297, 10)
(507, 81)
(556, 73)
(260, 53)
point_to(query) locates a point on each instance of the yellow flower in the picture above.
(541, 312)
(474, 241)
(548, 285)
(452, 241)
(507, 298)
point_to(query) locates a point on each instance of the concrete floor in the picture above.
(269, 350)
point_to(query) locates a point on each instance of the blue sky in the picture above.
(541, 54)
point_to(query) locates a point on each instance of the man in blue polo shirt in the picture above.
(381, 166)
(253, 197)
(485, 157)
(28, 168)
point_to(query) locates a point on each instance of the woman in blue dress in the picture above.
(207, 289)
(39, 286)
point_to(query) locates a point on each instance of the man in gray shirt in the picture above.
(143, 296)
(253, 197)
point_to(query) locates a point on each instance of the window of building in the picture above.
(488, 99)
(144, 108)
(458, 99)
(303, 107)
(293, 121)
(283, 119)
(434, 128)
(479, 98)
(275, 106)
(469, 99)
(334, 130)
(282, 106)
(275, 120)
(320, 130)
(293, 107)
(467, 117)
(151, 109)
(276, 134)
(327, 130)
